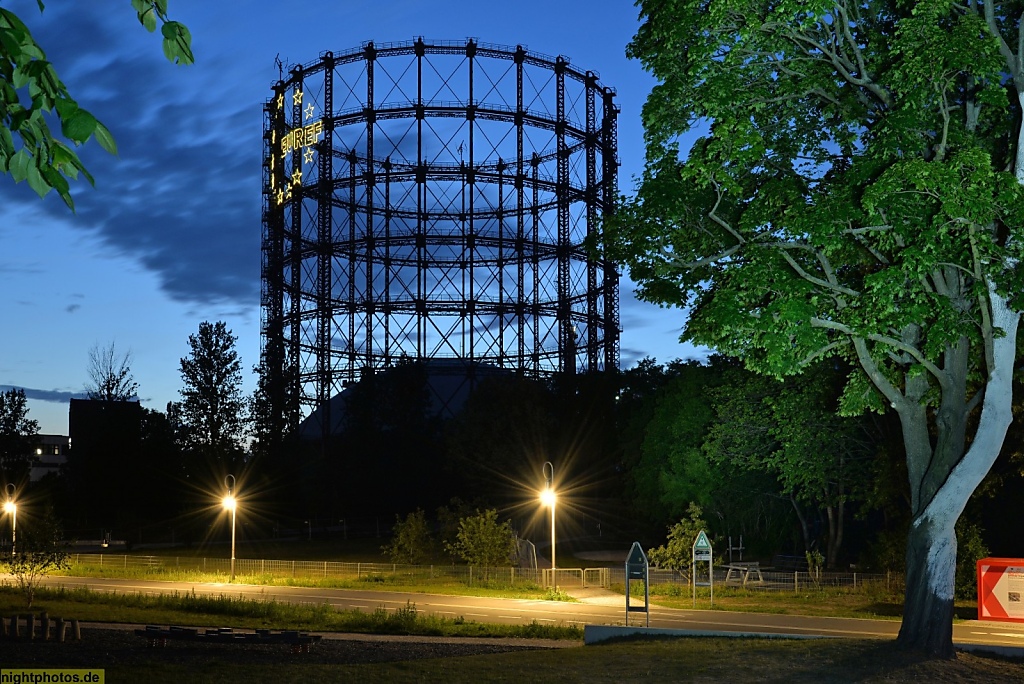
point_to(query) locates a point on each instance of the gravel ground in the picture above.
(107, 645)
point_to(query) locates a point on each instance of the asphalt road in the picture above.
(600, 612)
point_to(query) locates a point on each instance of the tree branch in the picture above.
(910, 350)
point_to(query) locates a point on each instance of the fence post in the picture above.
(470, 575)
(796, 582)
(357, 570)
(854, 580)
(293, 569)
(325, 569)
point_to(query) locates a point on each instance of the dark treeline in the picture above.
(774, 461)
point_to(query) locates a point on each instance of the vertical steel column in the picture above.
(566, 334)
(535, 252)
(610, 164)
(470, 183)
(501, 262)
(297, 247)
(351, 251)
(388, 275)
(272, 266)
(371, 113)
(520, 59)
(371, 116)
(593, 315)
(325, 252)
(421, 204)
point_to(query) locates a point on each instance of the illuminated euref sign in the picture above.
(299, 138)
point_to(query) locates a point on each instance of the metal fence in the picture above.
(396, 573)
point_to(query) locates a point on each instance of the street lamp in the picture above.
(231, 504)
(549, 498)
(11, 508)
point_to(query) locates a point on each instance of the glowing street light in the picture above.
(231, 504)
(11, 508)
(548, 497)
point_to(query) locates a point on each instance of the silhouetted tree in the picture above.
(110, 375)
(17, 436)
(212, 410)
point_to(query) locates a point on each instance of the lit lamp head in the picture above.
(10, 507)
(229, 502)
(548, 497)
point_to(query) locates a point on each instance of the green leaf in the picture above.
(37, 182)
(105, 139)
(177, 43)
(79, 126)
(20, 164)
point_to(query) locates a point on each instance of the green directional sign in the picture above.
(702, 543)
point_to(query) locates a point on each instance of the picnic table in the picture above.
(744, 570)
(158, 636)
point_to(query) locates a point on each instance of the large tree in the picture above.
(212, 407)
(30, 88)
(790, 430)
(853, 194)
(17, 437)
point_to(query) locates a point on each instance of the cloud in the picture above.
(183, 195)
(55, 396)
(72, 308)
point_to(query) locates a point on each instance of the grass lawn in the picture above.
(677, 660)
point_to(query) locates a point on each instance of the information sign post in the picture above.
(636, 569)
(701, 553)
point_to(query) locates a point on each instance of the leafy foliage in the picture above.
(411, 540)
(677, 553)
(31, 91)
(17, 435)
(212, 407)
(484, 541)
(41, 550)
(854, 196)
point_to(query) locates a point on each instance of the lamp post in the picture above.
(11, 508)
(549, 498)
(231, 504)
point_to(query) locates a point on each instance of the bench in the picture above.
(744, 570)
(158, 637)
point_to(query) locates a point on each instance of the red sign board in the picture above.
(1001, 589)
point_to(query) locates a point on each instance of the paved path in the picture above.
(595, 606)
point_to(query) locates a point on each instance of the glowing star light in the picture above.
(297, 97)
(280, 101)
(309, 111)
(280, 197)
(307, 155)
(297, 177)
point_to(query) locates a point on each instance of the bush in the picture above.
(485, 542)
(677, 553)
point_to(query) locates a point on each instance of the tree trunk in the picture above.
(928, 608)
(803, 523)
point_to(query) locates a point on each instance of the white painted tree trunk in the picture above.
(931, 546)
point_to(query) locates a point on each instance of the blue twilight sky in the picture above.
(170, 235)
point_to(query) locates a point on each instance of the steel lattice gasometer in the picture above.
(431, 200)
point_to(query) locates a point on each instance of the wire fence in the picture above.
(396, 573)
